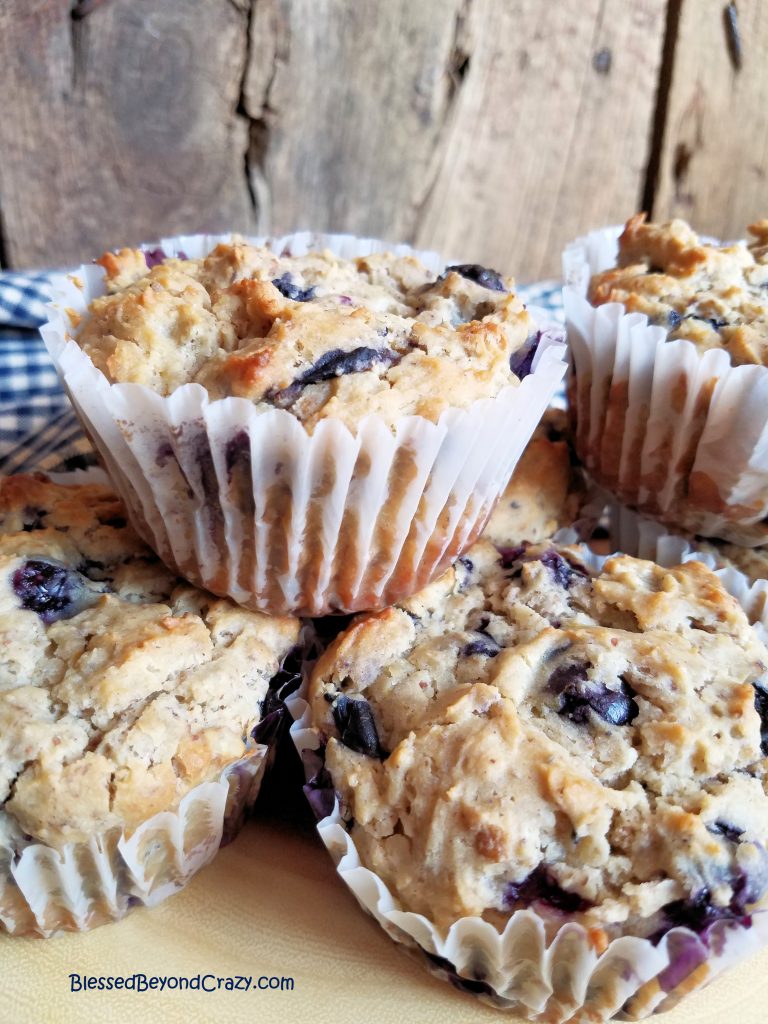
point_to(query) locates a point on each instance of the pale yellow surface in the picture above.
(271, 904)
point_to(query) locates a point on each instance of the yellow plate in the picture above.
(271, 905)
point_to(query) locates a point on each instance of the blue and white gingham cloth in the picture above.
(38, 429)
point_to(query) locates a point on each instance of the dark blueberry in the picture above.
(319, 785)
(286, 286)
(698, 913)
(335, 363)
(53, 591)
(483, 276)
(602, 60)
(730, 832)
(508, 556)
(467, 563)
(116, 522)
(357, 728)
(236, 451)
(521, 362)
(565, 676)
(579, 696)
(34, 519)
(562, 571)
(540, 885)
(485, 645)
(674, 319)
(338, 364)
(761, 706)
(274, 714)
(154, 256)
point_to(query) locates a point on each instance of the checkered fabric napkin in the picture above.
(38, 429)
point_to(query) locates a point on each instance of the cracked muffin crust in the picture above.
(525, 732)
(714, 296)
(547, 488)
(317, 335)
(121, 689)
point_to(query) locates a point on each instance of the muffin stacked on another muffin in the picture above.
(305, 433)
(121, 690)
(527, 733)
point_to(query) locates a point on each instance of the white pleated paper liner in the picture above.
(249, 505)
(566, 979)
(79, 886)
(82, 885)
(678, 434)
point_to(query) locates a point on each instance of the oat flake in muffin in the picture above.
(120, 689)
(714, 296)
(525, 733)
(318, 335)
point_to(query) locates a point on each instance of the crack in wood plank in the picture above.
(661, 107)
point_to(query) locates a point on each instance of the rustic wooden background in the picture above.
(494, 130)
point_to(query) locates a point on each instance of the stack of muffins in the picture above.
(542, 769)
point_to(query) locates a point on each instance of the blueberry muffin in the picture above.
(121, 689)
(669, 413)
(714, 296)
(527, 733)
(304, 433)
(547, 488)
(320, 336)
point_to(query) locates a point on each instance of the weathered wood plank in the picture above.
(714, 161)
(551, 134)
(119, 126)
(494, 130)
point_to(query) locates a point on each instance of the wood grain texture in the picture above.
(551, 132)
(493, 129)
(714, 160)
(120, 126)
(271, 904)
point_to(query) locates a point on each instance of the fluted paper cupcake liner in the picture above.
(248, 504)
(44, 890)
(518, 969)
(676, 433)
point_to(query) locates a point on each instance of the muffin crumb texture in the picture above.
(525, 732)
(714, 296)
(121, 688)
(317, 335)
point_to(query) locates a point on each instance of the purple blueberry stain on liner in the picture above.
(473, 986)
(237, 451)
(318, 788)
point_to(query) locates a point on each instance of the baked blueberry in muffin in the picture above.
(530, 732)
